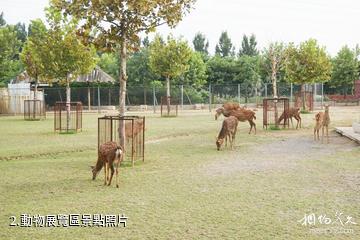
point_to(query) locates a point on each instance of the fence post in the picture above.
(291, 92)
(265, 90)
(209, 97)
(182, 97)
(99, 99)
(154, 100)
(314, 93)
(239, 96)
(322, 95)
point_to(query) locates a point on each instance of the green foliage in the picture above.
(308, 63)
(345, 69)
(127, 18)
(201, 44)
(170, 59)
(222, 70)
(66, 57)
(34, 49)
(10, 45)
(249, 72)
(248, 46)
(109, 62)
(139, 68)
(2, 20)
(196, 74)
(225, 47)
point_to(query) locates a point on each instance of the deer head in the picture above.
(219, 142)
(94, 172)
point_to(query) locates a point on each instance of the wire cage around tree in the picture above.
(109, 128)
(309, 100)
(65, 122)
(275, 112)
(34, 110)
(169, 107)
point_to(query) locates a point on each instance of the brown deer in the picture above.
(110, 155)
(243, 115)
(322, 121)
(138, 127)
(292, 113)
(228, 130)
(226, 107)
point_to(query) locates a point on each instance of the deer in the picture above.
(291, 113)
(110, 155)
(228, 130)
(226, 107)
(322, 121)
(242, 114)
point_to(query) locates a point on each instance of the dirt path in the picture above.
(283, 153)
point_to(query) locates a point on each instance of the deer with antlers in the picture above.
(291, 113)
(322, 121)
(110, 156)
(228, 130)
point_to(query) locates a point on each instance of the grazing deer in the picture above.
(322, 121)
(242, 115)
(110, 155)
(228, 129)
(292, 113)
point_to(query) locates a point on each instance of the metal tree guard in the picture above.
(109, 130)
(172, 111)
(34, 110)
(274, 111)
(61, 121)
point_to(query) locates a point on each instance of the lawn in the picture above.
(185, 189)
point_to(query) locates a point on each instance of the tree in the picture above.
(307, 63)
(249, 73)
(201, 44)
(345, 69)
(109, 62)
(248, 46)
(32, 55)
(225, 47)
(9, 51)
(118, 25)
(169, 60)
(222, 70)
(65, 57)
(196, 74)
(274, 60)
(2, 20)
(139, 69)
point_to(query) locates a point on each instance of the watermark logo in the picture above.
(339, 223)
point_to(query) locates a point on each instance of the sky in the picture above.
(333, 23)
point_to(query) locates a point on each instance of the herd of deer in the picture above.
(111, 153)
(235, 113)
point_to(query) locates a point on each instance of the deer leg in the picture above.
(299, 120)
(254, 126)
(105, 172)
(112, 173)
(251, 125)
(292, 124)
(314, 134)
(327, 133)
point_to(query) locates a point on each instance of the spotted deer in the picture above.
(292, 113)
(110, 156)
(228, 130)
(322, 121)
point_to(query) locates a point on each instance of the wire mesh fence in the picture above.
(188, 97)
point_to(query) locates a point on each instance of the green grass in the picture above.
(185, 189)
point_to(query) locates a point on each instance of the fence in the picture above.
(210, 96)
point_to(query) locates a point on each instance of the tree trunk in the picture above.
(35, 97)
(122, 95)
(68, 106)
(89, 97)
(168, 95)
(275, 95)
(145, 103)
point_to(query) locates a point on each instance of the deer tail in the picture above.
(118, 152)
